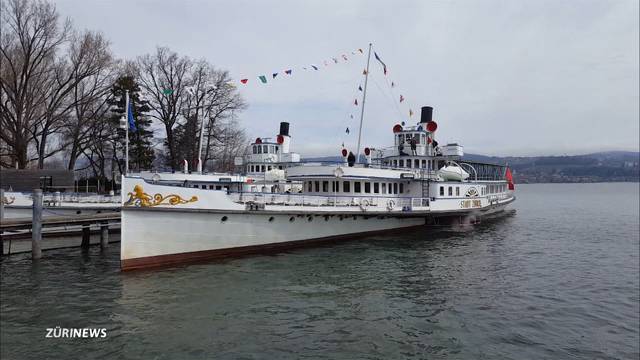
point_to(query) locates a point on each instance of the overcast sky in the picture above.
(504, 77)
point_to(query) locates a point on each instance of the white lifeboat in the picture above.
(453, 172)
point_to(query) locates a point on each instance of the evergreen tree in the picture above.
(141, 152)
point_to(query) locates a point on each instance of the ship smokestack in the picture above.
(284, 128)
(427, 113)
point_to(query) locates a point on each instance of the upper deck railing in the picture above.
(305, 200)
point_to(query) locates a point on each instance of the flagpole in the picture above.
(364, 97)
(126, 114)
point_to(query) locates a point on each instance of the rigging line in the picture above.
(386, 96)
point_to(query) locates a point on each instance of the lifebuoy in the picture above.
(391, 204)
(364, 204)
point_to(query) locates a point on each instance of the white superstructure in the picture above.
(413, 183)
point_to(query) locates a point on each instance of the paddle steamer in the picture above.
(413, 183)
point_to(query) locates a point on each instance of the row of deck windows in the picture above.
(489, 189)
(265, 149)
(358, 187)
(262, 168)
(411, 163)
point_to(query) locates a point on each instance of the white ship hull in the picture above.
(160, 237)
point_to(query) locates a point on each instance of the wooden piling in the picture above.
(86, 236)
(104, 235)
(36, 225)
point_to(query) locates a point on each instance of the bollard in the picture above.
(36, 225)
(86, 236)
(104, 235)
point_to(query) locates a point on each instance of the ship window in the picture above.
(269, 168)
(367, 187)
(265, 148)
(395, 163)
(408, 163)
(399, 139)
(218, 187)
(376, 188)
(357, 187)
(334, 185)
(325, 186)
(390, 188)
(346, 186)
(259, 149)
(317, 186)
(450, 192)
(309, 186)
(457, 190)
(280, 167)
(401, 188)
(210, 187)
(384, 188)
(416, 163)
(441, 190)
(424, 164)
(395, 188)
(277, 149)
(401, 162)
(255, 151)
(423, 139)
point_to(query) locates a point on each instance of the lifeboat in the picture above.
(453, 172)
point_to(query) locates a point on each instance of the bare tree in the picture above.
(31, 35)
(163, 76)
(89, 95)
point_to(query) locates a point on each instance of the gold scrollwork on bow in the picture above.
(140, 198)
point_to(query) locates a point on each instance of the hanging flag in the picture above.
(384, 66)
(274, 75)
(410, 113)
(263, 79)
(355, 102)
(344, 57)
(314, 67)
(347, 131)
(401, 98)
(361, 52)
(335, 60)
(244, 81)
(132, 123)
(288, 72)
(360, 88)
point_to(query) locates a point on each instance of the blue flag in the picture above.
(132, 123)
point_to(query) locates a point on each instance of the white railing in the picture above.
(398, 203)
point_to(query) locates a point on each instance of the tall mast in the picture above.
(364, 98)
(126, 115)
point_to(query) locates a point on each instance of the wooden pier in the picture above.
(20, 228)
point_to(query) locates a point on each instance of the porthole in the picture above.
(341, 217)
(326, 218)
(78, 212)
(310, 218)
(292, 219)
(355, 217)
(271, 219)
(224, 218)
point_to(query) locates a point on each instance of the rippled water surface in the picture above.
(558, 279)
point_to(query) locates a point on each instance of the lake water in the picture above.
(558, 279)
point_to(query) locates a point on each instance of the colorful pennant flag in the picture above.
(244, 81)
(314, 67)
(335, 60)
(361, 52)
(384, 66)
(263, 79)
(344, 57)
(364, 72)
(410, 113)
(288, 72)
(274, 75)
(355, 102)
(393, 84)
(347, 131)
(360, 88)
(401, 98)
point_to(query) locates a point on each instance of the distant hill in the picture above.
(606, 166)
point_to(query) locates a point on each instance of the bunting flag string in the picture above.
(326, 62)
